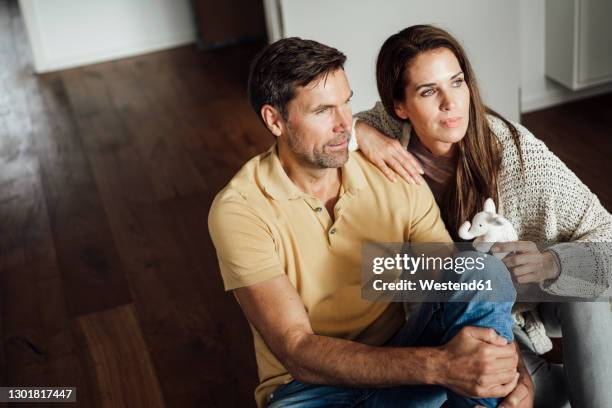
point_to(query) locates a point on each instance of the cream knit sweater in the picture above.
(547, 204)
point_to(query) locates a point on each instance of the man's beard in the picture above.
(319, 157)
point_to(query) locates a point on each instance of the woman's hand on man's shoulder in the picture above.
(388, 154)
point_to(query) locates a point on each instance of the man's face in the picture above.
(319, 119)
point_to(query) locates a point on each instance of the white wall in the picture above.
(487, 28)
(68, 33)
(537, 91)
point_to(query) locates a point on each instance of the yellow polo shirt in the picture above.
(263, 225)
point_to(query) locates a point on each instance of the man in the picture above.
(288, 231)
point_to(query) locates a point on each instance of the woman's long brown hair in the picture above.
(479, 152)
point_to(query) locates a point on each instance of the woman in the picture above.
(466, 152)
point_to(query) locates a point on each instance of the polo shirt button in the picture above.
(332, 231)
(318, 209)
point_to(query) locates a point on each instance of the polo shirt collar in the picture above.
(279, 186)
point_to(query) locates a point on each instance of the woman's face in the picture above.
(437, 100)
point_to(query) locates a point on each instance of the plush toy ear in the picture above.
(498, 220)
(489, 205)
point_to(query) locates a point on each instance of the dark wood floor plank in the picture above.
(160, 266)
(157, 269)
(99, 126)
(121, 361)
(18, 164)
(39, 337)
(154, 132)
(84, 246)
(222, 337)
(30, 319)
(579, 133)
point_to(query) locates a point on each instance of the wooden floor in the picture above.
(108, 279)
(580, 133)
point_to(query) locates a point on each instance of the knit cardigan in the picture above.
(547, 204)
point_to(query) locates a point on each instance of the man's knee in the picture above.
(487, 275)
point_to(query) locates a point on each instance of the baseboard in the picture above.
(179, 39)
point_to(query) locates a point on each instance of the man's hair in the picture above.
(285, 64)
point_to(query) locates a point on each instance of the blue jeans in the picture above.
(434, 324)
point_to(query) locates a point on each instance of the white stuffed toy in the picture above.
(488, 227)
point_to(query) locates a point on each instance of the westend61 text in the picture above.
(430, 285)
